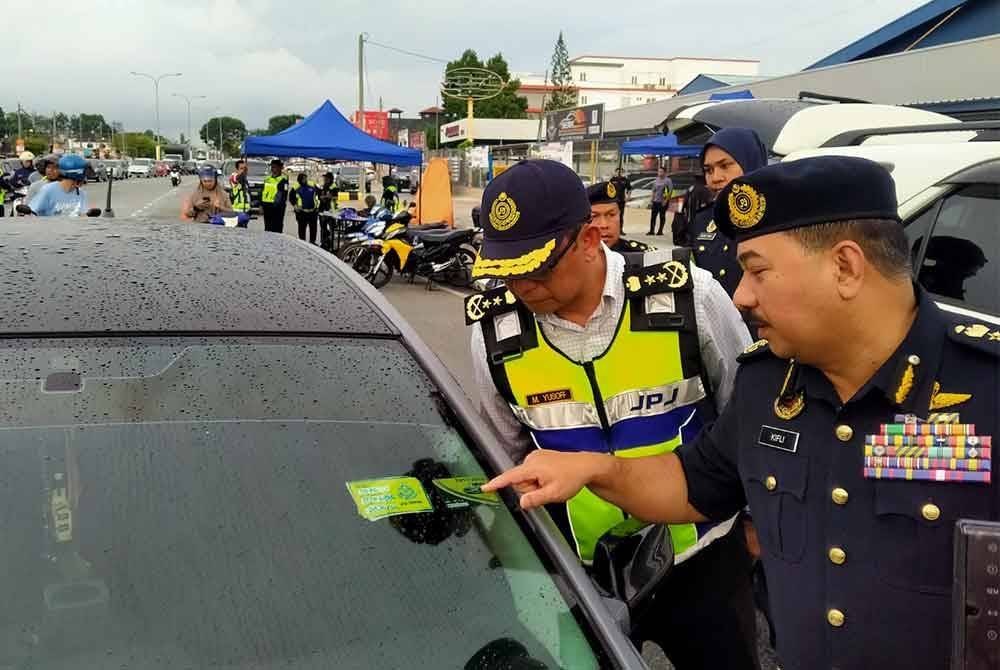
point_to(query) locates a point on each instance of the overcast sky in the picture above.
(256, 58)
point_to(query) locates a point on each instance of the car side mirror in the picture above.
(631, 559)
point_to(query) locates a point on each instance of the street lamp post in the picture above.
(189, 99)
(156, 90)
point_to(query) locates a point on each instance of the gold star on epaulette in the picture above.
(650, 279)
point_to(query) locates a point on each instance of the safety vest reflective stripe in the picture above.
(648, 404)
(270, 191)
(241, 201)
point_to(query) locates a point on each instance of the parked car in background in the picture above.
(141, 167)
(189, 167)
(349, 178)
(161, 169)
(97, 170)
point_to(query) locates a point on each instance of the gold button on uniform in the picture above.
(701, 247)
(839, 496)
(835, 618)
(837, 556)
(725, 247)
(844, 432)
(931, 512)
(771, 483)
(722, 272)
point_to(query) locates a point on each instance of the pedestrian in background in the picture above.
(273, 198)
(305, 202)
(662, 187)
(623, 186)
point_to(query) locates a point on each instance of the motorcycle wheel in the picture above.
(380, 273)
(349, 252)
(460, 274)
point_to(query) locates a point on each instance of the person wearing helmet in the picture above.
(207, 200)
(22, 175)
(64, 197)
(48, 168)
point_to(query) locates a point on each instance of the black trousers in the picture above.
(658, 208)
(274, 217)
(703, 615)
(308, 220)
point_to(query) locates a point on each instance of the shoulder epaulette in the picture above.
(977, 335)
(489, 303)
(758, 349)
(658, 278)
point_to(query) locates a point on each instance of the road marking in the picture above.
(152, 202)
(439, 287)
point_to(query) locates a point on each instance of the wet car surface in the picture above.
(244, 456)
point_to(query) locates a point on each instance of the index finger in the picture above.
(516, 475)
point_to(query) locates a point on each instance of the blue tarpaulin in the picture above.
(659, 145)
(327, 134)
(732, 95)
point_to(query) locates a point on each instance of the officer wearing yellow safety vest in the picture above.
(239, 188)
(578, 353)
(305, 201)
(274, 197)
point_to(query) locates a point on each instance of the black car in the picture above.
(253, 461)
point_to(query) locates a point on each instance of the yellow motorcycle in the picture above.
(442, 256)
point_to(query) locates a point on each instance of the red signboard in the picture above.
(417, 140)
(376, 124)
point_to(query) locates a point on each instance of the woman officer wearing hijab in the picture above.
(731, 153)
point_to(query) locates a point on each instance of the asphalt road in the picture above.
(436, 313)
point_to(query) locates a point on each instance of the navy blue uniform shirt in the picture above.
(859, 569)
(713, 251)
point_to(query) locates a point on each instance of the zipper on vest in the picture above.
(599, 402)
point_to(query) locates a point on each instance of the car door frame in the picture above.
(987, 173)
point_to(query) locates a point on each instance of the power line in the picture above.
(408, 53)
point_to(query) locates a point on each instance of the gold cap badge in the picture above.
(503, 212)
(612, 191)
(746, 206)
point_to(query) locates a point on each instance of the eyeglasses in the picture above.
(570, 241)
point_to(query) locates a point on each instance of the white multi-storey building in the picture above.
(625, 81)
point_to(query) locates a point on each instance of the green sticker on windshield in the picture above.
(467, 488)
(380, 498)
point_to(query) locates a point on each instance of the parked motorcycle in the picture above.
(442, 256)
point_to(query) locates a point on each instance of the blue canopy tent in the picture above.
(659, 145)
(328, 135)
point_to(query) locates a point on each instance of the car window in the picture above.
(916, 231)
(962, 260)
(257, 169)
(202, 507)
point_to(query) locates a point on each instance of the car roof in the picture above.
(916, 167)
(73, 276)
(789, 125)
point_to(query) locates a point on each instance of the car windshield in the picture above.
(350, 171)
(182, 503)
(141, 161)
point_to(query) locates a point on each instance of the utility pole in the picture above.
(156, 90)
(19, 132)
(361, 109)
(222, 156)
(189, 99)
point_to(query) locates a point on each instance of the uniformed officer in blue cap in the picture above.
(859, 431)
(606, 212)
(579, 353)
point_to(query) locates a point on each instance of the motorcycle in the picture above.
(439, 255)
(175, 177)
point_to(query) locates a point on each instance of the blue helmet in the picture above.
(73, 167)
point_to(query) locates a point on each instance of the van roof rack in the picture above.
(810, 95)
(855, 137)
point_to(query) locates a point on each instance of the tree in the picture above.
(233, 132)
(506, 105)
(149, 133)
(276, 124)
(564, 94)
(140, 145)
